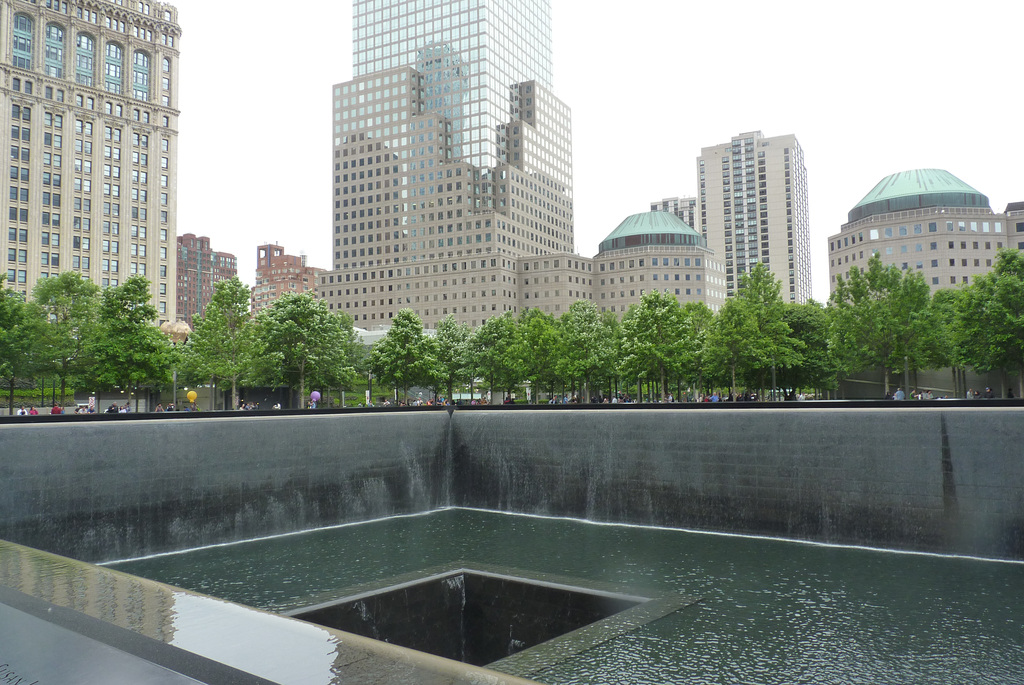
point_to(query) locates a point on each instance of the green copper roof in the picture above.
(917, 189)
(651, 228)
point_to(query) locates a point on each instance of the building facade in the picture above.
(278, 273)
(199, 268)
(683, 207)
(753, 209)
(452, 161)
(928, 221)
(656, 251)
(470, 55)
(90, 100)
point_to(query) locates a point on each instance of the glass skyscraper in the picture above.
(470, 54)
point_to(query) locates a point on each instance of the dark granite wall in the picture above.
(940, 478)
(944, 480)
(102, 490)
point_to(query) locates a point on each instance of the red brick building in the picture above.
(199, 268)
(278, 273)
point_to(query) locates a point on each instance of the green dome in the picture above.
(651, 228)
(917, 189)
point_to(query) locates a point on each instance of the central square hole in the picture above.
(470, 616)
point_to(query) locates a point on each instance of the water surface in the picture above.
(772, 612)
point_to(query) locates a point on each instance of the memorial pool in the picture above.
(772, 611)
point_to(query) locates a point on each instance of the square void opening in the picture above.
(470, 616)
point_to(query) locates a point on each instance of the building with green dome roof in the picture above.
(924, 220)
(651, 228)
(661, 251)
(650, 250)
(917, 189)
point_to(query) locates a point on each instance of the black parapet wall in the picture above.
(96, 489)
(929, 476)
(912, 476)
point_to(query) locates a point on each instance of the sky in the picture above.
(869, 89)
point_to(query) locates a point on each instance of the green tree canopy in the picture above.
(70, 304)
(697, 324)
(404, 358)
(587, 344)
(772, 345)
(497, 353)
(130, 351)
(809, 324)
(451, 354)
(882, 318)
(20, 336)
(540, 338)
(222, 344)
(990, 317)
(654, 339)
(300, 342)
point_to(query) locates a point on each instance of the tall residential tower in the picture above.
(753, 208)
(90, 99)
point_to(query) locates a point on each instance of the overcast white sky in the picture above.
(869, 88)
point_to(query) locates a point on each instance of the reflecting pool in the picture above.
(772, 611)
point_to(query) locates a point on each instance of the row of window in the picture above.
(85, 60)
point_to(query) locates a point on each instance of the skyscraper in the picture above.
(753, 208)
(452, 160)
(90, 100)
(469, 53)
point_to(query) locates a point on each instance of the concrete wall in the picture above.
(912, 476)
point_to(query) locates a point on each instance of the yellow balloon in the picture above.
(192, 395)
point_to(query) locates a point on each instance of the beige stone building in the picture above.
(90, 96)
(924, 220)
(656, 251)
(753, 209)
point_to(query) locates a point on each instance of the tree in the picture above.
(539, 335)
(882, 318)
(586, 343)
(129, 350)
(809, 324)
(653, 344)
(697, 325)
(991, 316)
(729, 340)
(20, 332)
(771, 344)
(404, 358)
(497, 352)
(222, 343)
(451, 354)
(70, 304)
(300, 341)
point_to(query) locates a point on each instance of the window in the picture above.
(22, 44)
(84, 59)
(112, 78)
(140, 76)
